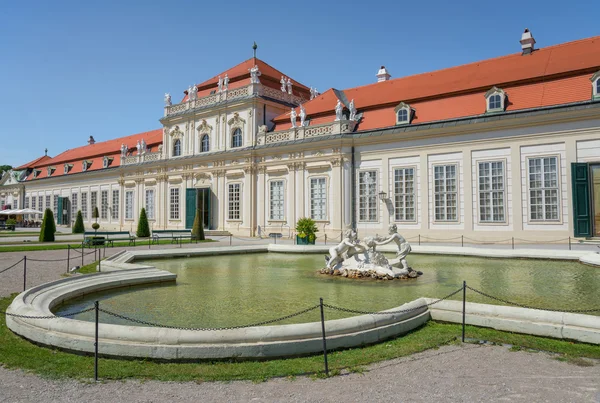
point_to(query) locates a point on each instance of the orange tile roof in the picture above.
(240, 72)
(33, 163)
(549, 76)
(95, 153)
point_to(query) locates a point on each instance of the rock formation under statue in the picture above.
(355, 259)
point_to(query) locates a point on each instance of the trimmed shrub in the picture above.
(306, 227)
(95, 213)
(143, 229)
(48, 227)
(79, 228)
(95, 226)
(198, 227)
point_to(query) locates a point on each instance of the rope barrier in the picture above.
(440, 239)
(337, 308)
(50, 260)
(266, 322)
(531, 307)
(8, 268)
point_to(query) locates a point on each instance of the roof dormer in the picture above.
(404, 114)
(596, 86)
(85, 164)
(67, 168)
(50, 170)
(106, 161)
(36, 172)
(495, 100)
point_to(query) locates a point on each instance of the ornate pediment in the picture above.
(236, 121)
(204, 127)
(176, 132)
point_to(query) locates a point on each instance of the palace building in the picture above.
(505, 147)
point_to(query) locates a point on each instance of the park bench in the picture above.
(176, 235)
(3, 226)
(106, 237)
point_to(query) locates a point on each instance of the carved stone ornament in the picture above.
(176, 133)
(262, 130)
(236, 121)
(204, 127)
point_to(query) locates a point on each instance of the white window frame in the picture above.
(55, 206)
(104, 204)
(84, 205)
(150, 203)
(233, 131)
(370, 201)
(129, 204)
(114, 213)
(234, 207)
(314, 198)
(409, 113)
(488, 97)
(595, 79)
(178, 148)
(491, 192)
(543, 188)
(74, 204)
(277, 207)
(174, 204)
(404, 194)
(207, 136)
(445, 193)
(41, 202)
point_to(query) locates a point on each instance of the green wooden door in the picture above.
(59, 211)
(204, 206)
(582, 212)
(190, 207)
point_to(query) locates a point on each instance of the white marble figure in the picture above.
(254, 74)
(123, 150)
(302, 115)
(194, 92)
(289, 86)
(293, 117)
(138, 147)
(160, 148)
(220, 84)
(349, 247)
(339, 109)
(144, 146)
(226, 83)
(189, 91)
(352, 109)
(168, 99)
(403, 247)
(282, 81)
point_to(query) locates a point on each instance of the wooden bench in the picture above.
(109, 237)
(176, 235)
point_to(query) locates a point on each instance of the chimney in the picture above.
(383, 75)
(527, 42)
(91, 140)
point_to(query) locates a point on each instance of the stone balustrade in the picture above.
(146, 157)
(299, 133)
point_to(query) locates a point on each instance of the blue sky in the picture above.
(71, 69)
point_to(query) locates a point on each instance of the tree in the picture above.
(198, 227)
(143, 229)
(48, 227)
(95, 213)
(79, 228)
(4, 168)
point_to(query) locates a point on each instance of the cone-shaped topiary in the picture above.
(79, 228)
(48, 227)
(198, 227)
(143, 229)
(95, 213)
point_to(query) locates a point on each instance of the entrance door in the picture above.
(595, 171)
(200, 200)
(204, 196)
(59, 211)
(190, 207)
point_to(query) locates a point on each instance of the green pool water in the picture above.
(241, 289)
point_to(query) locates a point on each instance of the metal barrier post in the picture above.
(96, 306)
(325, 239)
(230, 239)
(462, 241)
(149, 243)
(24, 273)
(105, 249)
(464, 309)
(513, 242)
(324, 339)
(68, 257)
(419, 239)
(99, 262)
(569, 243)
(82, 255)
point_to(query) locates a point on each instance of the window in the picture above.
(174, 204)
(150, 204)
(236, 138)
(33, 201)
(403, 114)
(104, 204)
(66, 168)
(93, 201)
(205, 146)
(55, 206)
(491, 191)
(234, 201)
(445, 193)
(318, 199)
(106, 161)
(73, 207)
(47, 206)
(26, 204)
(404, 194)
(367, 194)
(15, 204)
(41, 203)
(495, 100)
(84, 205)
(276, 200)
(84, 166)
(595, 86)
(177, 148)
(115, 205)
(543, 189)
(129, 205)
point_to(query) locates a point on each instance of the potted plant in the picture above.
(305, 231)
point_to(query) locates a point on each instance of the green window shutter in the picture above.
(190, 207)
(582, 211)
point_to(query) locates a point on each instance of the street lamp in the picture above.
(382, 196)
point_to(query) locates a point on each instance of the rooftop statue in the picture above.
(339, 110)
(254, 74)
(220, 84)
(226, 83)
(313, 93)
(144, 146)
(293, 117)
(289, 86)
(124, 150)
(352, 109)
(194, 92)
(168, 99)
(138, 147)
(282, 81)
(302, 115)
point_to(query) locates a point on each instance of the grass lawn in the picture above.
(10, 234)
(16, 352)
(57, 246)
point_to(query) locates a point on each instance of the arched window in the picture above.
(402, 116)
(495, 99)
(205, 146)
(236, 138)
(495, 102)
(596, 86)
(177, 148)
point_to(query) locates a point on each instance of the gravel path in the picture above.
(452, 373)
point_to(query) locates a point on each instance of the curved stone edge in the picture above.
(592, 259)
(558, 325)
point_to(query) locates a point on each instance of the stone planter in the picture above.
(304, 241)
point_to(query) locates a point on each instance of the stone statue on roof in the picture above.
(144, 146)
(312, 93)
(339, 110)
(167, 99)
(282, 81)
(254, 74)
(124, 150)
(194, 92)
(226, 83)
(302, 115)
(293, 117)
(189, 91)
(138, 147)
(220, 84)
(352, 110)
(289, 86)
